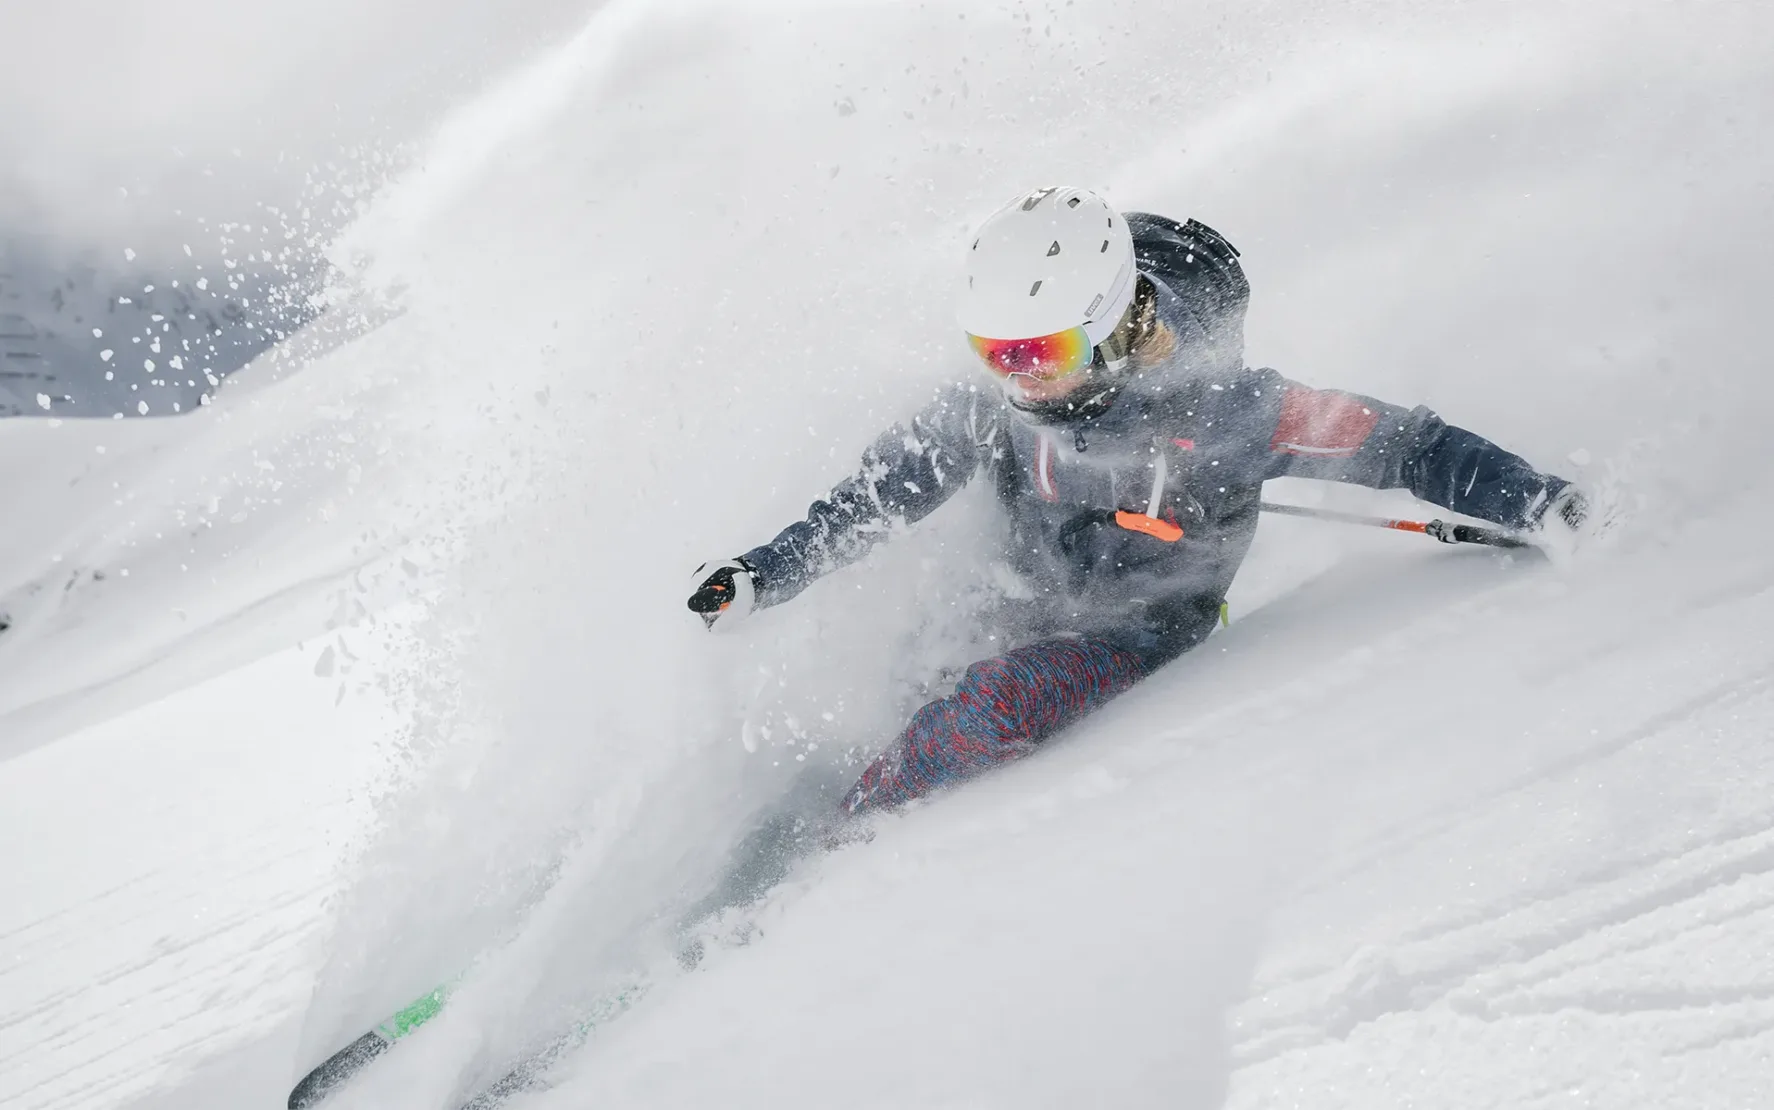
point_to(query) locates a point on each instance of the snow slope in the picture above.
(1421, 827)
(1294, 876)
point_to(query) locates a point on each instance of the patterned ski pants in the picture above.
(999, 711)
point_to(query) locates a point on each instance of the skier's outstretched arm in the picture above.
(904, 476)
(1345, 437)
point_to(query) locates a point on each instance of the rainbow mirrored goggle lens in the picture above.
(1044, 358)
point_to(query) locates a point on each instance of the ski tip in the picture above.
(336, 1069)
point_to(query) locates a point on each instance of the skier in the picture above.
(1128, 444)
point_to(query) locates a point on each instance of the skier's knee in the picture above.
(992, 700)
(1027, 693)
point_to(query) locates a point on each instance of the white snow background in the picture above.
(378, 671)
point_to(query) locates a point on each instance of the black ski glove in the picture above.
(1567, 508)
(1564, 524)
(724, 590)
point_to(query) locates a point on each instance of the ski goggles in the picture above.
(1045, 358)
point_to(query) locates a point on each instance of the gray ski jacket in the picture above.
(1095, 505)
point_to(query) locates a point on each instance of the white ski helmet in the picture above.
(1047, 262)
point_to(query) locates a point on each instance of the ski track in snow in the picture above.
(192, 934)
(1670, 939)
(1422, 828)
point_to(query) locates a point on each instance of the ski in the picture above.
(354, 1057)
(759, 862)
(341, 1066)
(531, 1073)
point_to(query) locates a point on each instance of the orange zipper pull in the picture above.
(1149, 525)
(1148, 522)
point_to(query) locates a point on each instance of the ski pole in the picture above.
(1436, 529)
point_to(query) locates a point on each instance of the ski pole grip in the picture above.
(1471, 533)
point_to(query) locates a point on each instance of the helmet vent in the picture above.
(1035, 288)
(1105, 249)
(1074, 202)
(1053, 250)
(976, 244)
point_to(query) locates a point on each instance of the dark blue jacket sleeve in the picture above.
(904, 476)
(1345, 437)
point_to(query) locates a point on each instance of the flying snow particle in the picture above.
(43, 401)
(142, 407)
(129, 255)
(105, 355)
